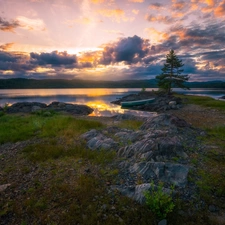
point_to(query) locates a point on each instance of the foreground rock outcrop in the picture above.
(31, 107)
(157, 152)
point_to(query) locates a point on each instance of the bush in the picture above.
(159, 202)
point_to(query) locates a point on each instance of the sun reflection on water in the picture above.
(102, 108)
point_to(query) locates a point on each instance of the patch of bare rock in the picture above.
(157, 152)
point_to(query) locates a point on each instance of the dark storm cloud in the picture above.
(8, 25)
(7, 57)
(14, 62)
(21, 65)
(129, 50)
(54, 58)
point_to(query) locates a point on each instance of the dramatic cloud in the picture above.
(8, 26)
(14, 62)
(54, 58)
(128, 50)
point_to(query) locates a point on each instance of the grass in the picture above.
(130, 124)
(19, 128)
(204, 101)
(52, 150)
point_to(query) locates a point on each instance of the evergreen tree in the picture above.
(171, 74)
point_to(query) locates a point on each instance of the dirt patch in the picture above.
(199, 116)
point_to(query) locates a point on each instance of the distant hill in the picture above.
(21, 83)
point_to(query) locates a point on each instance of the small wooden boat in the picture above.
(136, 103)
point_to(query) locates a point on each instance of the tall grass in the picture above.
(52, 150)
(18, 128)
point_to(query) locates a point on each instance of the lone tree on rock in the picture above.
(171, 74)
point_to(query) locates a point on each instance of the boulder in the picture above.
(25, 107)
(70, 108)
(102, 142)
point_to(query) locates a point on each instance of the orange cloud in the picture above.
(90, 57)
(156, 6)
(178, 14)
(178, 5)
(160, 19)
(209, 2)
(6, 46)
(140, 1)
(135, 11)
(97, 1)
(220, 10)
(155, 35)
(115, 14)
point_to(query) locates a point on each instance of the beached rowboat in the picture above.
(136, 103)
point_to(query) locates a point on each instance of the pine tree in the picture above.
(171, 74)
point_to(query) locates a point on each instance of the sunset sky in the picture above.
(110, 39)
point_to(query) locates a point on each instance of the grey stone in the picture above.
(90, 134)
(164, 120)
(35, 108)
(172, 103)
(3, 187)
(167, 172)
(162, 222)
(213, 208)
(102, 142)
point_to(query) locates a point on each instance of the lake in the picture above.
(97, 98)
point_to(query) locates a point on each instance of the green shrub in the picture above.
(159, 202)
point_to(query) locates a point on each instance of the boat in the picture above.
(137, 102)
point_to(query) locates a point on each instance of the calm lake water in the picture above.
(97, 98)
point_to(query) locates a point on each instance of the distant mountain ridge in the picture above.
(22, 83)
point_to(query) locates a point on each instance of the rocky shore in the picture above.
(162, 102)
